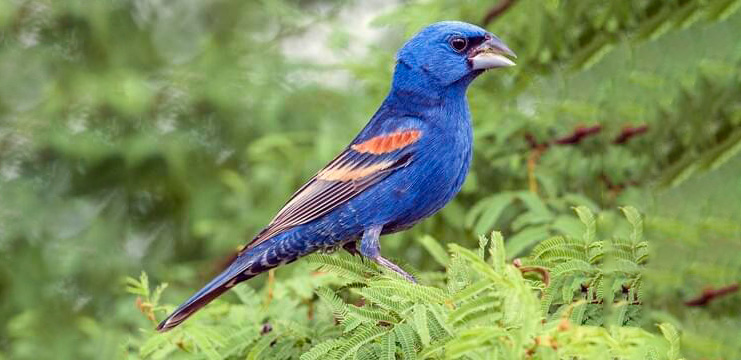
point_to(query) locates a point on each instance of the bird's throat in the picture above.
(414, 86)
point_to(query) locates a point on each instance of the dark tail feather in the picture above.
(220, 284)
(248, 264)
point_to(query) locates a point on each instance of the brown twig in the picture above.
(579, 134)
(710, 294)
(532, 161)
(629, 132)
(616, 188)
(532, 141)
(536, 151)
(271, 283)
(575, 137)
(309, 309)
(497, 11)
(538, 269)
(146, 308)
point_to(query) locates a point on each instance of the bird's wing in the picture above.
(357, 168)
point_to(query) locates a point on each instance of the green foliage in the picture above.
(594, 272)
(495, 311)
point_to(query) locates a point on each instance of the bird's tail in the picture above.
(211, 291)
(247, 265)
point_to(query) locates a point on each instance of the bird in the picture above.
(410, 159)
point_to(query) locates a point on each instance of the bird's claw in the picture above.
(351, 247)
(395, 268)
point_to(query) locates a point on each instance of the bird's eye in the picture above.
(458, 43)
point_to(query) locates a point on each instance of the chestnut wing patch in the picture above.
(388, 143)
(348, 175)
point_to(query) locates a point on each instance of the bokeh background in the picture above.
(159, 136)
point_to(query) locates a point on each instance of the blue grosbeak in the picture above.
(405, 165)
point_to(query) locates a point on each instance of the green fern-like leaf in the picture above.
(672, 335)
(339, 308)
(558, 245)
(370, 351)
(344, 266)
(240, 341)
(388, 346)
(587, 218)
(472, 340)
(407, 339)
(318, 351)
(368, 313)
(478, 307)
(261, 347)
(497, 252)
(636, 221)
(641, 253)
(572, 267)
(350, 324)
(470, 291)
(361, 336)
(435, 249)
(435, 351)
(476, 262)
(138, 286)
(384, 298)
(577, 313)
(425, 294)
(458, 273)
(207, 340)
(483, 242)
(560, 255)
(421, 324)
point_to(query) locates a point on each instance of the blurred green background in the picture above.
(158, 136)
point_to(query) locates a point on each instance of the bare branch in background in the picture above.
(496, 11)
(711, 294)
(628, 133)
(578, 135)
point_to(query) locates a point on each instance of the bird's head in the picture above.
(450, 51)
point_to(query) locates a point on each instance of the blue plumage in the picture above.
(405, 165)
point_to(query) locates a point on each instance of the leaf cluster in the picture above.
(480, 307)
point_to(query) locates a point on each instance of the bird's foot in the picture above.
(391, 266)
(351, 247)
(370, 248)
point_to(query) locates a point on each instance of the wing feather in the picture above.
(356, 169)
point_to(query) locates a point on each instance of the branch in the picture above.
(579, 134)
(538, 269)
(575, 137)
(500, 8)
(628, 132)
(710, 294)
(617, 187)
(533, 142)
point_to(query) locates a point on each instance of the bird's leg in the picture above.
(370, 247)
(351, 247)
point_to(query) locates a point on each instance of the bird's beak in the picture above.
(491, 54)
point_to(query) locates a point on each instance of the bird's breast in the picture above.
(432, 180)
